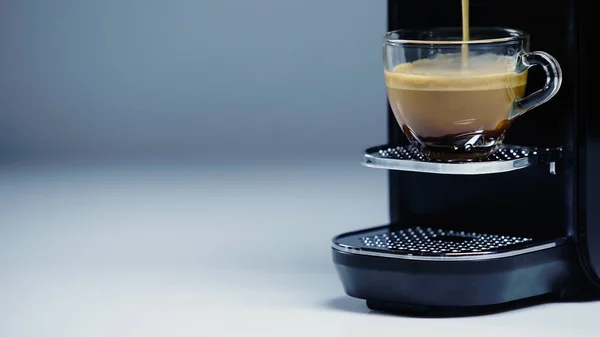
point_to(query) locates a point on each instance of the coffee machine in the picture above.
(521, 226)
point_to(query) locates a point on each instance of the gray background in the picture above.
(244, 122)
(208, 80)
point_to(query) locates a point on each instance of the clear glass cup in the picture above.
(454, 99)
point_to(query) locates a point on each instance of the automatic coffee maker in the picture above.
(522, 225)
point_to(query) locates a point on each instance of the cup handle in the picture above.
(553, 82)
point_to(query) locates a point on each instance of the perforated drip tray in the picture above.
(425, 243)
(506, 158)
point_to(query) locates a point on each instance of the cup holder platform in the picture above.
(431, 244)
(506, 158)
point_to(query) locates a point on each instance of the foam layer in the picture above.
(446, 72)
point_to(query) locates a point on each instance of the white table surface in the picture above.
(190, 250)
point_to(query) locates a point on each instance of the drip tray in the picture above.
(424, 243)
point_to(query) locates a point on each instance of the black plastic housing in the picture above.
(529, 202)
(562, 205)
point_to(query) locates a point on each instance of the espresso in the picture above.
(445, 104)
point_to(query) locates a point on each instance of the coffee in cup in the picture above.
(443, 104)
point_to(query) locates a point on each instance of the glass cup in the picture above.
(454, 99)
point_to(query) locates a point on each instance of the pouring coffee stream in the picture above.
(465, 32)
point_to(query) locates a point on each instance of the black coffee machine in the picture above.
(521, 226)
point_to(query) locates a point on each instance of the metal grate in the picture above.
(436, 241)
(411, 153)
(435, 244)
(506, 158)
